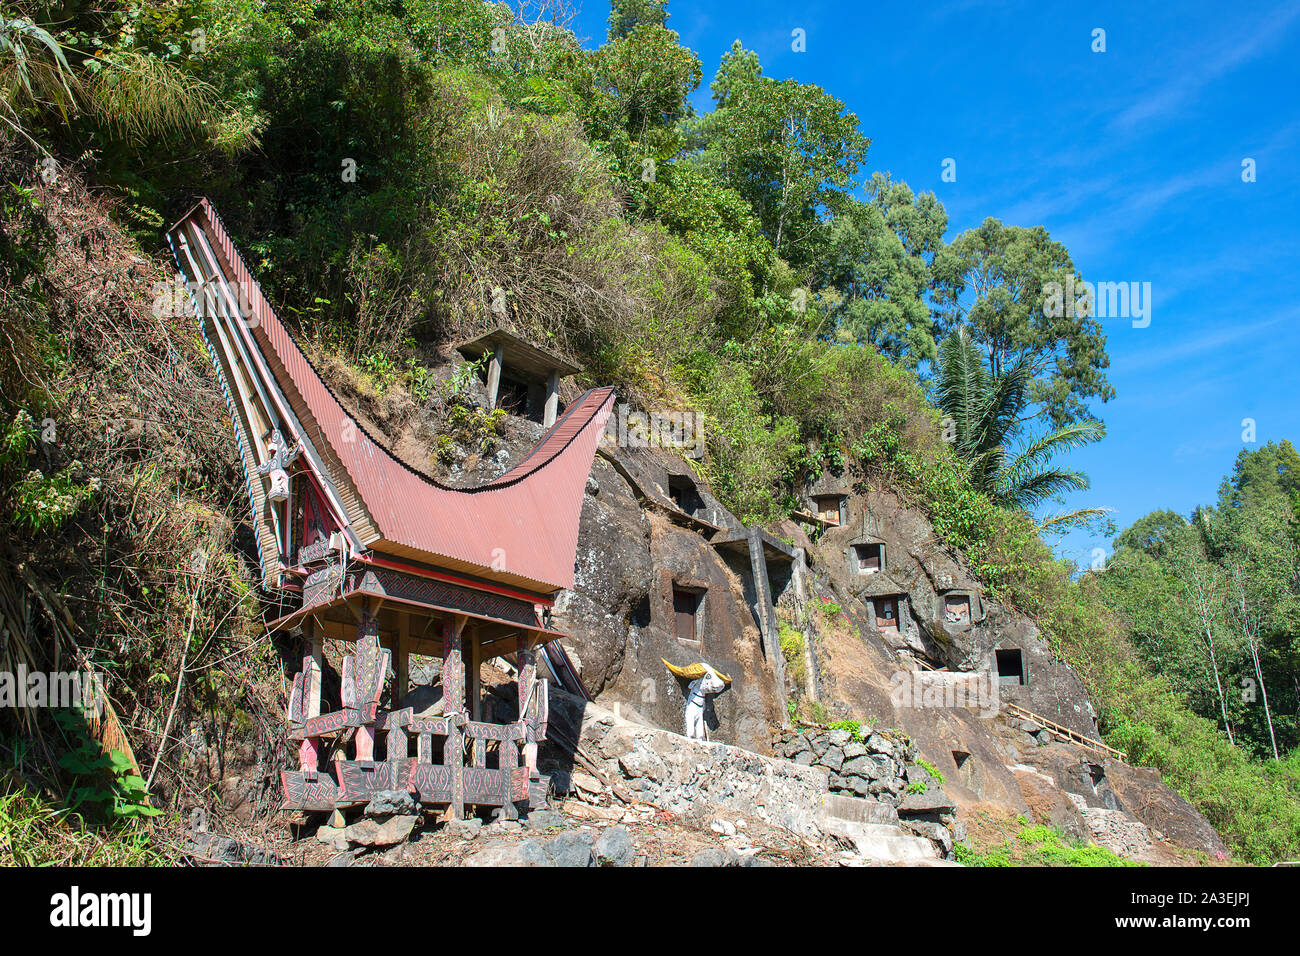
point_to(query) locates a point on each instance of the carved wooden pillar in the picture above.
(367, 629)
(402, 659)
(474, 676)
(527, 676)
(309, 749)
(453, 696)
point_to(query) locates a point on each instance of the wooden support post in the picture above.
(367, 627)
(453, 691)
(527, 674)
(402, 659)
(494, 376)
(474, 676)
(552, 398)
(309, 749)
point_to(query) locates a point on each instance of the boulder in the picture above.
(614, 847)
(832, 759)
(465, 829)
(936, 833)
(858, 767)
(332, 836)
(711, 857)
(385, 803)
(525, 853)
(934, 800)
(372, 832)
(572, 848)
(881, 745)
(541, 819)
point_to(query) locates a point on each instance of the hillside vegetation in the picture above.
(402, 176)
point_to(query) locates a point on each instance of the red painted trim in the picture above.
(454, 579)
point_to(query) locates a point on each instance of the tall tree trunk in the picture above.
(1250, 629)
(1223, 703)
(1201, 601)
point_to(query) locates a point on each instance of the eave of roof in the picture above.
(520, 528)
(518, 355)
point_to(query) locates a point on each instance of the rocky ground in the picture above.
(572, 834)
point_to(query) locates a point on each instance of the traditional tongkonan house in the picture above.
(359, 547)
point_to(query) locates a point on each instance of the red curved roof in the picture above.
(520, 528)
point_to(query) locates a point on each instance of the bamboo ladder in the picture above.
(1073, 736)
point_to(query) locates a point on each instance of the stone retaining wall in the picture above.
(879, 766)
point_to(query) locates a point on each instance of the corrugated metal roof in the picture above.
(521, 527)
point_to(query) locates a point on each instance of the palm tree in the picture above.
(986, 412)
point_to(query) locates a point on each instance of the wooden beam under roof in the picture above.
(524, 359)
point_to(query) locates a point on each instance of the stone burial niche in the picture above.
(824, 503)
(960, 608)
(1010, 663)
(866, 557)
(688, 612)
(521, 378)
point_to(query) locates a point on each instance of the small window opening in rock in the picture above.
(870, 558)
(682, 490)
(641, 613)
(887, 613)
(687, 603)
(1010, 666)
(828, 508)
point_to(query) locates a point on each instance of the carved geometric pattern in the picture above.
(300, 793)
(363, 678)
(324, 585)
(488, 787)
(359, 780)
(431, 782)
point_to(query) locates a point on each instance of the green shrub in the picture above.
(1040, 846)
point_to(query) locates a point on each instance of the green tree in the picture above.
(984, 410)
(647, 75)
(1214, 602)
(1251, 536)
(876, 278)
(626, 15)
(738, 70)
(993, 279)
(790, 149)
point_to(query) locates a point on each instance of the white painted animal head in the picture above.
(711, 683)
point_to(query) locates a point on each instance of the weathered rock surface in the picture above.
(692, 777)
(873, 768)
(631, 553)
(386, 832)
(392, 803)
(213, 849)
(614, 847)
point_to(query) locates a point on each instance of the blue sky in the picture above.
(1132, 158)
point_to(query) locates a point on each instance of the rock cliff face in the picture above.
(899, 636)
(906, 640)
(638, 554)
